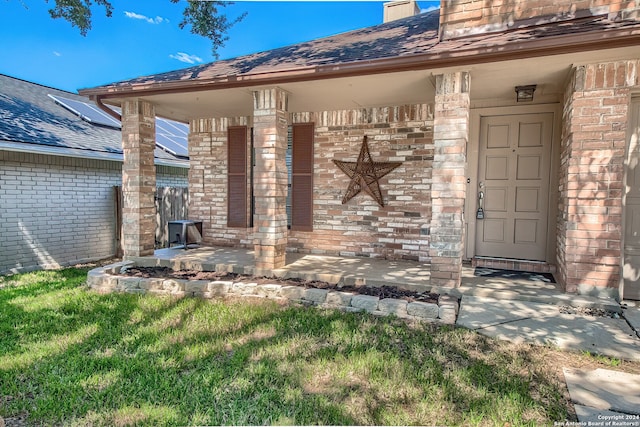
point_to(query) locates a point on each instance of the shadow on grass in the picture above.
(71, 356)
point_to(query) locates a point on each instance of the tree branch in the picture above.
(78, 12)
(206, 21)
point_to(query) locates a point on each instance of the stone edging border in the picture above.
(106, 280)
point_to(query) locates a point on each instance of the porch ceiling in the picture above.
(491, 84)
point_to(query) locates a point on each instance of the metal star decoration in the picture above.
(365, 174)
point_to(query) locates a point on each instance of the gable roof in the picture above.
(31, 120)
(404, 44)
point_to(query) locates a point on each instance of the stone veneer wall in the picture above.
(400, 229)
(208, 180)
(589, 226)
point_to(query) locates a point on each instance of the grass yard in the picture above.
(70, 356)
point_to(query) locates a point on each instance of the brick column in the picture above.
(448, 190)
(138, 178)
(270, 178)
(595, 119)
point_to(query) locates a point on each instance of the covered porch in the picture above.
(479, 173)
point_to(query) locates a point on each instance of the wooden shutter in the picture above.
(237, 177)
(302, 177)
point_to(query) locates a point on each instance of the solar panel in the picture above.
(172, 137)
(169, 127)
(87, 112)
(169, 144)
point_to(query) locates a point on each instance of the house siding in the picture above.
(589, 226)
(167, 176)
(57, 211)
(400, 229)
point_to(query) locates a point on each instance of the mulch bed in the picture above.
(380, 292)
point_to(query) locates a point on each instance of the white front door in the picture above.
(513, 178)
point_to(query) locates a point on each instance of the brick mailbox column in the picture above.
(138, 178)
(270, 178)
(450, 136)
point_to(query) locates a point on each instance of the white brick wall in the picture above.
(167, 176)
(57, 211)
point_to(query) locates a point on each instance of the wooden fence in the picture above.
(172, 203)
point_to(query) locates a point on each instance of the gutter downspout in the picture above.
(109, 111)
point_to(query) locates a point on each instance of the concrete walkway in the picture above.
(546, 324)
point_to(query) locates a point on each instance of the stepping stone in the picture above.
(604, 389)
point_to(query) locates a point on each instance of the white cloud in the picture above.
(185, 57)
(156, 20)
(429, 9)
(57, 53)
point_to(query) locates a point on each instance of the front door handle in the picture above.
(480, 212)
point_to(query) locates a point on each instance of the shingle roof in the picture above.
(413, 37)
(396, 38)
(29, 116)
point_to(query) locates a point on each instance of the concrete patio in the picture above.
(332, 269)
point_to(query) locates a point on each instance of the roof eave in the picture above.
(460, 57)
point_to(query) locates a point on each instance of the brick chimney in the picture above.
(459, 18)
(399, 9)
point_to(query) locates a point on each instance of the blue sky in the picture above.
(142, 37)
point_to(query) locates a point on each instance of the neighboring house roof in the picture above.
(404, 44)
(31, 121)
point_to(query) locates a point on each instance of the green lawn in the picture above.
(70, 356)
